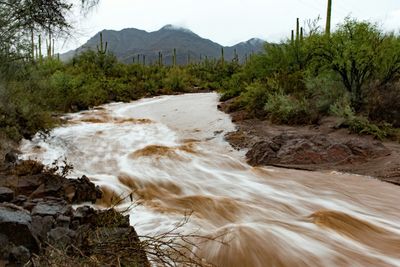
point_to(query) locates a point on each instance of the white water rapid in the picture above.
(169, 152)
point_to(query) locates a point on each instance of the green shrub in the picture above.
(254, 98)
(282, 108)
(176, 80)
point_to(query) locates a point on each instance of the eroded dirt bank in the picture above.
(315, 147)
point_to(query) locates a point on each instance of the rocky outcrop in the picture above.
(319, 149)
(39, 226)
(30, 178)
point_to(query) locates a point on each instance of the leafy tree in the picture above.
(357, 51)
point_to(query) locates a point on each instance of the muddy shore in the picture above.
(322, 147)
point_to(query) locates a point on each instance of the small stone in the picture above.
(49, 208)
(42, 225)
(6, 194)
(20, 255)
(11, 157)
(19, 200)
(63, 221)
(61, 237)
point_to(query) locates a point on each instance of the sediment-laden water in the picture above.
(168, 156)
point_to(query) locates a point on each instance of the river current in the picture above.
(166, 157)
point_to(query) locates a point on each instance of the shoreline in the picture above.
(322, 147)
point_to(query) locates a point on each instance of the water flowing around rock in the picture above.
(168, 155)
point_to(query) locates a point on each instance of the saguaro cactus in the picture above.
(222, 55)
(292, 37)
(174, 58)
(328, 18)
(159, 58)
(102, 49)
(235, 56)
(301, 34)
(297, 29)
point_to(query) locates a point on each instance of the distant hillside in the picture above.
(127, 44)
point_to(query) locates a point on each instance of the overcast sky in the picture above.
(227, 21)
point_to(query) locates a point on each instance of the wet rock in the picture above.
(51, 185)
(19, 200)
(81, 190)
(63, 221)
(11, 157)
(15, 223)
(61, 237)
(20, 255)
(51, 207)
(42, 225)
(6, 194)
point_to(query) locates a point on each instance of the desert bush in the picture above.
(176, 80)
(282, 108)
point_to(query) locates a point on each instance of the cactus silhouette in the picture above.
(222, 55)
(328, 18)
(174, 58)
(292, 37)
(301, 34)
(102, 49)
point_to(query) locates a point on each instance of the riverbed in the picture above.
(166, 158)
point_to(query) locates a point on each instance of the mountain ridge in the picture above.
(128, 43)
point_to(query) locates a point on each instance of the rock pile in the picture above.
(39, 226)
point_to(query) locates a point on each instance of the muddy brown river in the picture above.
(169, 157)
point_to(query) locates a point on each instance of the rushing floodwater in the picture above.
(169, 152)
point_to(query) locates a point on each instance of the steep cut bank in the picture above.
(313, 147)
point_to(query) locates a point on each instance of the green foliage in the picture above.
(282, 108)
(176, 80)
(255, 97)
(360, 53)
(361, 125)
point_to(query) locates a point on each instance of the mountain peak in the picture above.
(255, 41)
(170, 27)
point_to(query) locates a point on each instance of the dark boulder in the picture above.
(6, 194)
(61, 237)
(20, 255)
(81, 190)
(51, 207)
(11, 157)
(15, 223)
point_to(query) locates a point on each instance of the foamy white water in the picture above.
(170, 154)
